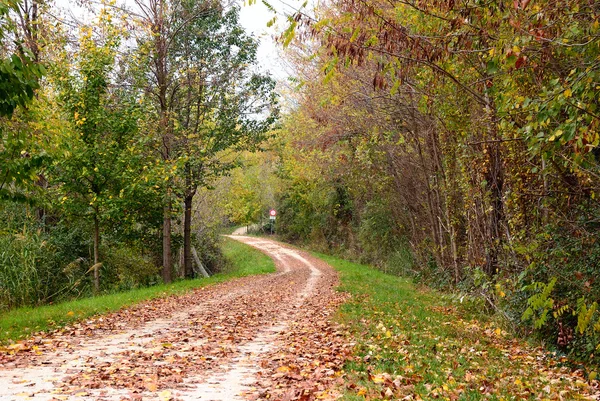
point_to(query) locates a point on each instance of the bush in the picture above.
(401, 262)
(556, 296)
(208, 245)
(379, 237)
(125, 268)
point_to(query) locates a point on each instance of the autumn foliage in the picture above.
(457, 142)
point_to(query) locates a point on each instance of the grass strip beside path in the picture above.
(415, 344)
(20, 323)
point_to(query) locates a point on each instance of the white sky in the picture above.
(254, 19)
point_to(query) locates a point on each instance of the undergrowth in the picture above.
(19, 323)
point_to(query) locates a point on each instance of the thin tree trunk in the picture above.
(159, 29)
(544, 207)
(96, 253)
(180, 265)
(167, 260)
(495, 184)
(187, 237)
(190, 191)
(199, 263)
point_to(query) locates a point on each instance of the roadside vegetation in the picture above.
(456, 143)
(112, 131)
(241, 260)
(415, 343)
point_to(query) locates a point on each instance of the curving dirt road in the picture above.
(266, 337)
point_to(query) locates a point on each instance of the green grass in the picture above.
(432, 347)
(228, 230)
(20, 323)
(247, 260)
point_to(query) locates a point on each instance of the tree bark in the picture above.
(187, 237)
(96, 253)
(167, 260)
(190, 191)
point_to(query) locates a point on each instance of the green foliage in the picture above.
(19, 274)
(19, 74)
(36, 265)
(82, 150)
(246, 204)
(585, 314)
(540, 303)
(378, 235)
(126, 268)
(302, 212)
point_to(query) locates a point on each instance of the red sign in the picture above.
(272, 212)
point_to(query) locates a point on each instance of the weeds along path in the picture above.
(250, 338)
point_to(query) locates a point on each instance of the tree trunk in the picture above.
(544, 206)
(167, 260)
(187, 237)
(159, 29)
(495, 185)
(190, 191)
(199, 263)
(96, 253)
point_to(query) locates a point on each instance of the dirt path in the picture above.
(244, 230)
(251, 338)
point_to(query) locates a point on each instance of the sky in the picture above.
(254, 19)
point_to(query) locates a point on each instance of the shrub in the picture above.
(125, 267)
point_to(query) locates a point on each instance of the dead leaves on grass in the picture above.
(445, 357)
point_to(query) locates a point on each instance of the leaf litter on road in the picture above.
(381, 338)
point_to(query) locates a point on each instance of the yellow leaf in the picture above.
(593, 375)
(568, 93)
(164, 395)
(388, 334)
(70, 313)
(498, 331)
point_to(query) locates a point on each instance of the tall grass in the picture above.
(21, 280)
